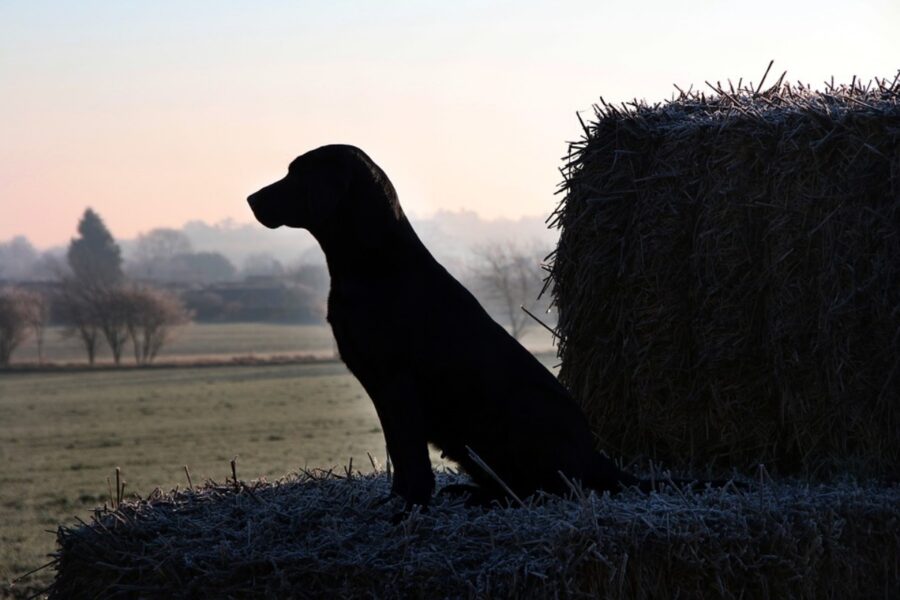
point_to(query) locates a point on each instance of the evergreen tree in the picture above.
(95, 257)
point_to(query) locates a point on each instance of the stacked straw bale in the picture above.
(728, 278)
(318, 536)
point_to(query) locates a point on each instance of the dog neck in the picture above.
(370, 255)
(369, 232)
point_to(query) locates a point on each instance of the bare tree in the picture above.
(144, 315)
(36, 315)
(509, 276)
(92, 300)
(112, 307)
(13, 324)
(152, 315)
(79, 313)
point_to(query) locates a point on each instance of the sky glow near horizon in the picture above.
(157, 113)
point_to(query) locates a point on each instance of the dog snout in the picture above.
(263, 210)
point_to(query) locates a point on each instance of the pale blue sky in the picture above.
(155, 113)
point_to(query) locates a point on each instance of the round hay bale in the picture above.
(319, 536)
(728, 278)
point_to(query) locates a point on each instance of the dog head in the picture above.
(337, 193)
(313, 191)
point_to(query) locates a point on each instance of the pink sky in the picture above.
(157, 113)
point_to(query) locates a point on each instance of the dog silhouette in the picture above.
(438, 368)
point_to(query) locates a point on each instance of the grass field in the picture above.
(197, 341)
(63, 433)
(205, 340)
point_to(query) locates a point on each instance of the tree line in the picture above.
(95, 302)
(161, 256)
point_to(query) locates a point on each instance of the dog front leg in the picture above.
(400, 412)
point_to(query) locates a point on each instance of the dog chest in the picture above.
(367, 323)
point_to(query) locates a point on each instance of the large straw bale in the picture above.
(728, 278)
(318, 536)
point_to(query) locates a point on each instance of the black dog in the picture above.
(437, 367)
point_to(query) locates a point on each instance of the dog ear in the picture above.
(346, 198)
(376, 216)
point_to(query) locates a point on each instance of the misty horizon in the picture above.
(232, 224)
(452, 236)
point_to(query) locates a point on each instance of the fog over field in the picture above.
(450, 235)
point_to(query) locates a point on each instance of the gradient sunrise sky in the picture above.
(156, 113)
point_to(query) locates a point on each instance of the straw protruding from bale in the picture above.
(319, 535)
(728, 278)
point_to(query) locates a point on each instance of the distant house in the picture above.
(256, 299)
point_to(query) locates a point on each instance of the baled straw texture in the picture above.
(728, 278)
(318, 536)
